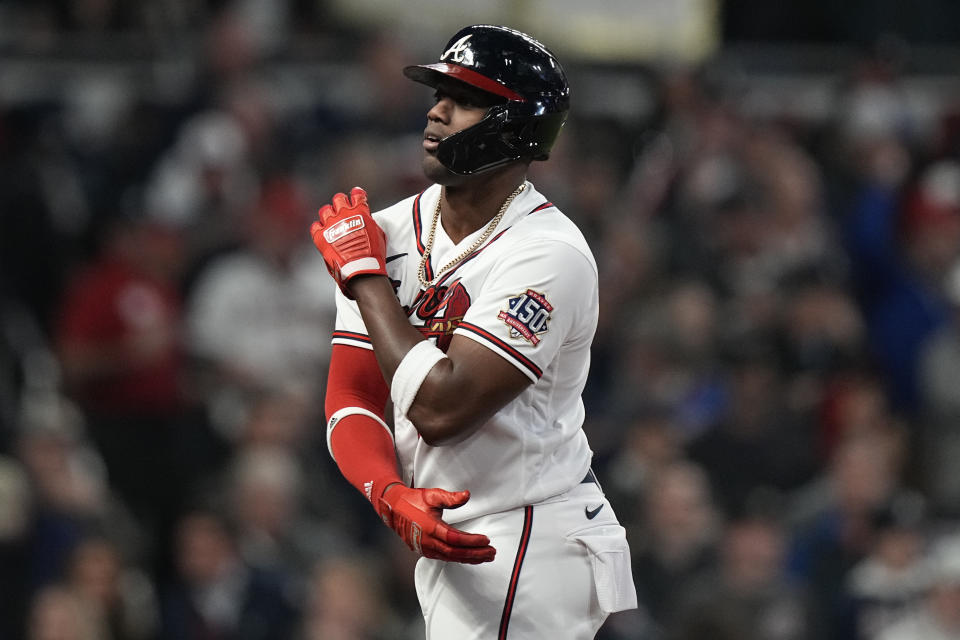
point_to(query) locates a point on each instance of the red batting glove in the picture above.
(350, 240)
(415, 515)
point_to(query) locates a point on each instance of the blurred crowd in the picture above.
(773, 402)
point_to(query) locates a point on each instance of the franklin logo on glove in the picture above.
(343, 228)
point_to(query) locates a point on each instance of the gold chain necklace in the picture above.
(422, 271)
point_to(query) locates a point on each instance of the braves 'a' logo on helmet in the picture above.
(527, 315)
(459, 51)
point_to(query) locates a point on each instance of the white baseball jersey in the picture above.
(529, 293)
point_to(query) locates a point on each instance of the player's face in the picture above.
(457, 106)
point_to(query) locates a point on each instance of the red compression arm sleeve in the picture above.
(362, 448)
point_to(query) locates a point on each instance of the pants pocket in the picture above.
(610, 558)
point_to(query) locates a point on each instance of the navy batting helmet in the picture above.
(518, 69)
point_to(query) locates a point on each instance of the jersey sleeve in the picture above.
(532, 302)
(349, 328)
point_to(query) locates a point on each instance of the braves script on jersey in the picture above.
(530, 293)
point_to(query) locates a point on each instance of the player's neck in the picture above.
(469, 206)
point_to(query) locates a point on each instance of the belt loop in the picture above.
(592, 477)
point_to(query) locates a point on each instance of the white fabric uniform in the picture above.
(530, 294)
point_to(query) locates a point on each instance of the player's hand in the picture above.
(351, 242)
(415, 515)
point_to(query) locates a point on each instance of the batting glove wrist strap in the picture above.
(375, 493)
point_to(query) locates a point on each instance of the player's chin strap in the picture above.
(411, 372)
(340, 414)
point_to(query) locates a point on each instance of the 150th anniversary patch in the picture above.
(527, 314)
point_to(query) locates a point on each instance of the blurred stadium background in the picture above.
(773, 194)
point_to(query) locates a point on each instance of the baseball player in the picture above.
(472, 306)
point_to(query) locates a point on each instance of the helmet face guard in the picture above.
(515, 67)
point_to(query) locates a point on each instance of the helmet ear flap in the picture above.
(528, 134)
(479, 148)
(507, 133)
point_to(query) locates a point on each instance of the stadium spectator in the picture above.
(120, 598)
(58, 614)
(892, 578)
(259, 317)
(938, 440)
(749, 594)
(344, 601)
(120, 344)
(215, 593)
(676, 539)
(937, 617)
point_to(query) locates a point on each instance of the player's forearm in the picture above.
(357, 434)
(387, 324)
(364, 453)
(438, 420)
